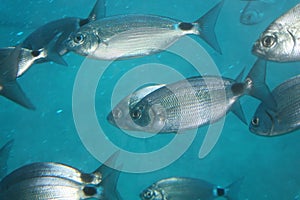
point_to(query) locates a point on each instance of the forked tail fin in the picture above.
(232, 190)
(207, 24)
(256, 79)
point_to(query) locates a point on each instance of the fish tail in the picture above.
(232, 190)
(12, 90)
(256, 80)
(105, 169)
(4, 154)
(53, 51)
(109, 185)
(206, 26)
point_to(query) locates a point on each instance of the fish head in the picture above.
(262, 122)
(251, 16)
(120, 116)
(276, 44)
(83, 42)
(152, 193)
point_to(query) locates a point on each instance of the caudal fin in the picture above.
(109, 185)
(9, 87)
(207, 26)
(106, 168)
(4, 154)
(14, 92)
(232, 190)
(257, 80)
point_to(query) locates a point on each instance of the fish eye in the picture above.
(79, 38)
(255, 121)
(148, 194)
(136, 114)
(268, 41)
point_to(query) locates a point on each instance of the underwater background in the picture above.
(270, 166)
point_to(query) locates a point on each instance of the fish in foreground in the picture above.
(49, 39)
(286, 117)
(48, 180)
(137, 35)
(280, 41)
(4, 154)
(180, 188)
(9, 87)
(257, 11)
(194, 102)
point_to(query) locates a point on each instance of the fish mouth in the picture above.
(110, 118)
(256, 50)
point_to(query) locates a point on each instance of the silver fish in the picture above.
(9, 86)
(57, 32)
(180, 188)
(40, 181)
(119, 116)
(136, 35)
(258, 10)
(286, 118)
(280, 41)
(4, 154)
(198, 101)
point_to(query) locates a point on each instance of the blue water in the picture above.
(270, 165)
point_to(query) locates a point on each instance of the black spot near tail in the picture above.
(220, 192)
(87, 178)
(186, 26)
(89, 190)
(237, 88)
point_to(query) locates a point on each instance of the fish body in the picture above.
(49, 39)
(178, 188)
(119, 116)
(280, 41)
(286, 118)
(39, 181)
(185, 104)
(41, 188)
(9, 86)
(136, 35)
(197, 101)
(4, 155)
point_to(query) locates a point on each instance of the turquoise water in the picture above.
(269, 165)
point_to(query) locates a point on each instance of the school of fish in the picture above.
(162, 108)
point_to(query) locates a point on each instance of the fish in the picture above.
(9, 86)
(197, 101)
(4, 155)
(179, 188)
(57, 32)
(49, 180)
(137, 35)
(286, 117)
(256, 11)
(279, 41)
(119, 116)
(26, 59)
